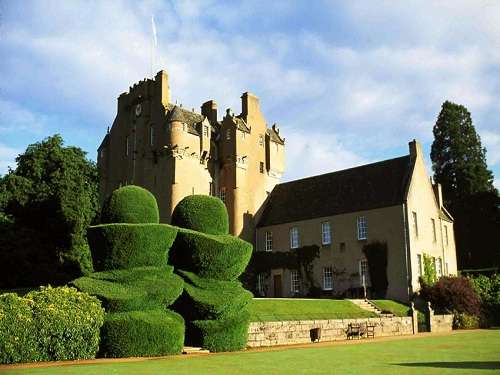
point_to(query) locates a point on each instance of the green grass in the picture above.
(394, 307)
(466, 352)
(262, 309)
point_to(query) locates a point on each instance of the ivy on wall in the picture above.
(430, 276)
(376, 255)
(300, 259)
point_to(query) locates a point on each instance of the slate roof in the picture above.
(176, 113)
(370, 186)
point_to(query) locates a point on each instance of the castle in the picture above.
(175, 152)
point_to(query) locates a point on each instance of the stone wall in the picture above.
(299, 332)
(441, 323)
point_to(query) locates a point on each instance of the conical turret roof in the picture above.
(176, 114)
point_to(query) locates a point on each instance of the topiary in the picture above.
(130, 204)
(214, 304)
(202, 213)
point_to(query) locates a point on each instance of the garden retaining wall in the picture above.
(299, 332)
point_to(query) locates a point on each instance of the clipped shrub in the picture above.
(130, 204)
(18, 336)
(202, 213)
(116, 246)
(221, 257)
(463, 320)
(141, 288)
(142, 333)
(225, 334)
(452, 295)
(51, 324)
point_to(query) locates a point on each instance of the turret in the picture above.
(175, 121)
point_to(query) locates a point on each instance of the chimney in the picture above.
(415, 149)
(163, 87)
(249, 104)
(209, 110)
(438, 192)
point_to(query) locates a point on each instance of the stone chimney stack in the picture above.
(163, 86)
(209, 110)
(438, 192)
(415, 149)
(249, 105)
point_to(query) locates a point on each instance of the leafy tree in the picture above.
(49, 200)
(459, 164)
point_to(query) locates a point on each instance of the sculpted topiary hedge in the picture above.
(135, 283)
(214, 304)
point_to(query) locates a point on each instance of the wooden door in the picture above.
(277, 286)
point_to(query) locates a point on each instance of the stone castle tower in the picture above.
(174, 152)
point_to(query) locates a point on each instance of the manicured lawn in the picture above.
(473, 352)
(273, 309)
(396, 308)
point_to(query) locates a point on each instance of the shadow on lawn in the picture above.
(479, 365)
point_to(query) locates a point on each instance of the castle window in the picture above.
(415, 223)
(327, 278)
(151, 135)
(446, 235)
(342, 247)
(326, 235)
(269, 241)
(205, 131)
(261, 167)
(228, 134)
(261, 140)
(439, 267)
(222, 194)
(294, 281)
(433, 223)
(362, 228)
(419, 265)
(126, 146)
(363, 271)
(294, 238)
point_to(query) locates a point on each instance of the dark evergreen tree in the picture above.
(459, 164)
(48, 202)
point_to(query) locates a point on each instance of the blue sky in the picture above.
(349, 82)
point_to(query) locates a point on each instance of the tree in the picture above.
(459, 164)
(50, 199)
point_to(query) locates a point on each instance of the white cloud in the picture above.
(16, 119)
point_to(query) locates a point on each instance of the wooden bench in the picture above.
(359, 330)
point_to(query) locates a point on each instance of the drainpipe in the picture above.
(409, 280)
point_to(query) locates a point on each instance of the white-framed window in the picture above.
(415, 223)
(228, 134)
(363, 271)
(294, 238)
(446, 235)
(261, 140)
(327, 278)
(127, 144)
(269, 241)
(433, 223)
(362, 228)
(419, 265)
(294, 281)
(205, 131)
(326, 234)
(261, 284)
(222, 194)
(439, 267)
(151, 135)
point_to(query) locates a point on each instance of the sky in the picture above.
(348, 82)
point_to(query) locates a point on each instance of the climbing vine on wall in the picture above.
(429, 277)
(376, 255)
(301, 259)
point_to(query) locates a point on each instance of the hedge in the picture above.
(223, 335)
(130, 204)
(142, 288)
(213, 299)
(116, 246)
(202, 213)
(142, 333)
(49, 324)
(221, 257)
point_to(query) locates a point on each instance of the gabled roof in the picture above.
(274, 135)
(241, 124)
(370, 186)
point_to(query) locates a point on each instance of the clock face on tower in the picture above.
(138, 110)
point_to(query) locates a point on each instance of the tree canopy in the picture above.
(48, 202)
(459, 164)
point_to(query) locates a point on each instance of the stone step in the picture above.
(194, 350)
